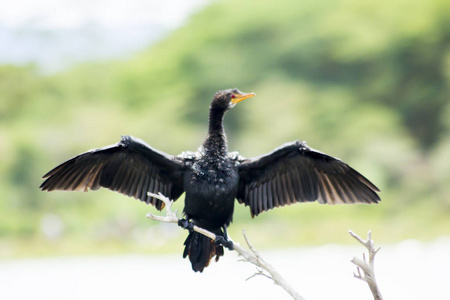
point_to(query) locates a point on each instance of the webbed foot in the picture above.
(220, 240)
(185, 224)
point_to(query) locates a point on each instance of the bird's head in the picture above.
(227, 99)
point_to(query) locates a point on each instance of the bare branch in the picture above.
(367, 267)
(259, 272)
(252, 257)
(257, 260)
(171, 217)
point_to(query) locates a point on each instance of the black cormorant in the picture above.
(212, 179)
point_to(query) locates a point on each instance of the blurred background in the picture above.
(365, 81)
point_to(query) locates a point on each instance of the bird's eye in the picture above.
(233, 96)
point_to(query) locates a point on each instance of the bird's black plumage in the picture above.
(212, 178)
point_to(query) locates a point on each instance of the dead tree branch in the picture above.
(367, 266)
(252, 257)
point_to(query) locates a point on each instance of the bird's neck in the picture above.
(216, 141)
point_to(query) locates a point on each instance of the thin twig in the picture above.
(171, 217)
(367, 267)
(252, 257)
(259, 272)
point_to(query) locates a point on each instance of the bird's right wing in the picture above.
(130, 167)
(296, 173)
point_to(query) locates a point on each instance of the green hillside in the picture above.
(365, 81)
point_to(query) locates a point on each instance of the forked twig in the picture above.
(367, 267)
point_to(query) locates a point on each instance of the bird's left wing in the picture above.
(130, 167)
(296, 173)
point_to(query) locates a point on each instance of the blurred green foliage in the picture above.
(367, 81)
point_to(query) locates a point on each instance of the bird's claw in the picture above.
(220, 240)
(185, 224)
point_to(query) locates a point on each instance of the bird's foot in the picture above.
(185, 224)
(220, 240)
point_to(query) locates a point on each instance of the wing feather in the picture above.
(265, 201)
(290, 189)
(269, 194)
(277, 202)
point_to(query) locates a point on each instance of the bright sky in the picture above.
(114, 13)
(55, 34)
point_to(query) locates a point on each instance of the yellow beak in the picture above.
(239, 97)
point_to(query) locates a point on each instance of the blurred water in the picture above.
(408, 270)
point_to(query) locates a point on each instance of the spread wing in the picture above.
(296, 173)
(130, 167)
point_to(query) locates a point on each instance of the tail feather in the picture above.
(201, 249)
